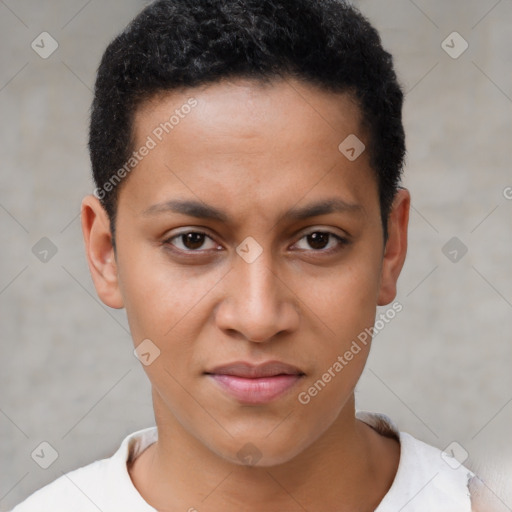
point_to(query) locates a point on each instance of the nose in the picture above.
(258, 303)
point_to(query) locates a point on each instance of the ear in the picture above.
(100, 252)
(396, 246)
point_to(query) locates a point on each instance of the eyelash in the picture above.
(342, 242)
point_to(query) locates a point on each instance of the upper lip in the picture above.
(252, 371)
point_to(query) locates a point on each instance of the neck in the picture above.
(348, 465)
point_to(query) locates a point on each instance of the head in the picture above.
(247, 157)
(182, 44)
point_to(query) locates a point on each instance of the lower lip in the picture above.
(256, 391)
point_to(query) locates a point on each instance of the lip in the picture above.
(255, 384)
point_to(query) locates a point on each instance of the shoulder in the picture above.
(72, 489)
(427, 478)
(102, 485)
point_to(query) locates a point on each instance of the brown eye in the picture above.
(191, 241)
(319, 240)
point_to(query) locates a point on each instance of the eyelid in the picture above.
(342, 240)
(325, 229)
(167, 240)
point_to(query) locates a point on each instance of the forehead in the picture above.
(248, 107)
(244, 140)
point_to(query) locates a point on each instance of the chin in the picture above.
(260, 451)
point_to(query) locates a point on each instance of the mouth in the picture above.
(255, 384)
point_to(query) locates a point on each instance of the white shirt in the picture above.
(426, 480)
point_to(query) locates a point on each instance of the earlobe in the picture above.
(396, 246)
(99, 252)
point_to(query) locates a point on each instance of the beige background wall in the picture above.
(440, 369)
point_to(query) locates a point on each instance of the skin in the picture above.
(253, 151)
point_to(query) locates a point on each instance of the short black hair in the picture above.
(179, 44)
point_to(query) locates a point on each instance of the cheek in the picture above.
(344, 307)
(345, 301)
(161, 297)
(343, 345)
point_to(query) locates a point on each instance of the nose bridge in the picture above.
(257, 279)
(259, 306)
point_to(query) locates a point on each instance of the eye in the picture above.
(194, 241)
(191, 241)
(318, 240)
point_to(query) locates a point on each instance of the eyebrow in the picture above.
(202, 210)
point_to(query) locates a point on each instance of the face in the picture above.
(244, 237)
